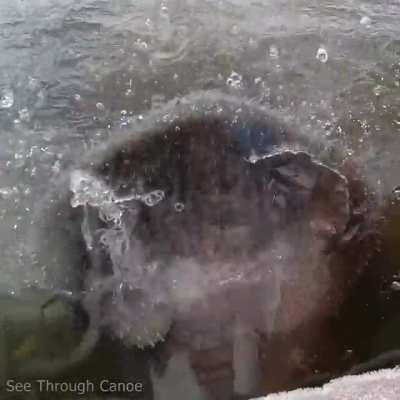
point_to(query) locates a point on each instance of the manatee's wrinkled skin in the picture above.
(216, 214)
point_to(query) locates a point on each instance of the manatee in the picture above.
(209, 214)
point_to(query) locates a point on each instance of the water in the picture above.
(74, 73)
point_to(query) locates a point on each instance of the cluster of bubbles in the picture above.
(153, 198)
(89, 190)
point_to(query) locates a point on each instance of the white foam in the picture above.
(379, 385)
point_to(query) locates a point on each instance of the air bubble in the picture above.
(234, 80)
(24, 115)
(235, 30)
(365, 21)
(6, 98)
(322, 55)
(179, 207)
(273, 52)
(141, 44)
(153, 198)
(100, 107)
(5, 193)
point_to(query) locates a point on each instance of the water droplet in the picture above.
(322, 55)
(100, 107)
(273, 51)
(56, 167)
(234, 80)
(33, 83)
(395, 286)
(153, 198)
(24, 115)
(235, 30)
(164, 9)
(5, 193)
(396, 193)
(378, 90)
(141, 44)
(179, 207)
(6, 98)
(365, 21)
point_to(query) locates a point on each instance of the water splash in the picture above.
(89, 190)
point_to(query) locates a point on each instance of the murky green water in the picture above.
(74, 74)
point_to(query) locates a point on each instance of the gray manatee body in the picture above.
(208, 212)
